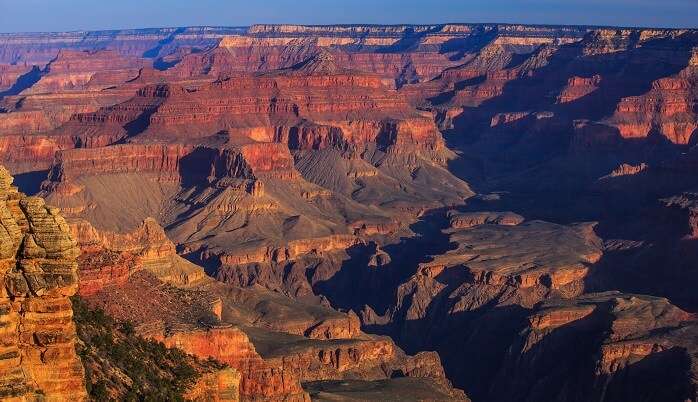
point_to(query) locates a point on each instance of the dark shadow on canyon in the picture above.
(379, 285)
(647, 379)
(155, 52)
(30, 182)
(25, 81)
(536, 372)
(543, 169)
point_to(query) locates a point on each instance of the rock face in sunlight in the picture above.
(39, 263)
(359, 211)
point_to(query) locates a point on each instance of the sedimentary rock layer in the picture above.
(38, 259)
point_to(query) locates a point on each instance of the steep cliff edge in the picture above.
(38, 256)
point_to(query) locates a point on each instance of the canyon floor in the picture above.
(483, 212)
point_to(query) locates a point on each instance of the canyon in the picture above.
(486, 212)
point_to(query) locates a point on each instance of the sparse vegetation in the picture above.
(119, 365)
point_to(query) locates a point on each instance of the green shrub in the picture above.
(156, 373)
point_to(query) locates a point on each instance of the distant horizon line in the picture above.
(240, 27)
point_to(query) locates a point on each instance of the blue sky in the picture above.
(62, 15)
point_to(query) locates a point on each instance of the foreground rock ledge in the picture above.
(37, 332)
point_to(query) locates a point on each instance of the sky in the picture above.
(70, 15)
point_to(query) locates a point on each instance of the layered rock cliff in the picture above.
(72, 70)
(39, 263)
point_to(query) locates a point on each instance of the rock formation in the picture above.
(40, 274)
(109, 259)
(620, 347)
(72, 70)
(469, 219)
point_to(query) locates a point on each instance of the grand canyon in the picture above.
(468, 212)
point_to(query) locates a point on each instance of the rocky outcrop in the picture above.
(231, 346)
(533, 266)
(115, 359)
(626, 170)
(108, 259)
(222, 385)
(367, 359)
(274, 108)
(38, 256)
(291, 251)
(469, 219)
(29, 152)
(666, 109)
(171, 162)
(617, 346)
(74, 82)
(161, 159)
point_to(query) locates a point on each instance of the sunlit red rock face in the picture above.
(73, 82)
(280, 106)
(109, 259)
(305, 115)
(259, 149)
(38, 256)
